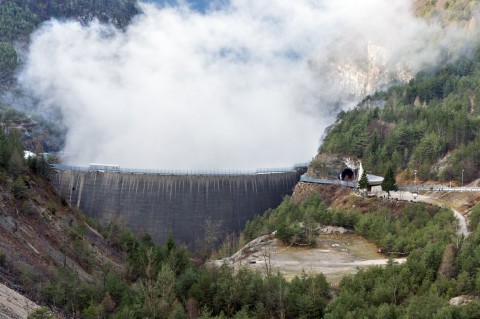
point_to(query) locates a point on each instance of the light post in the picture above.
(462, 177)
(415, 178)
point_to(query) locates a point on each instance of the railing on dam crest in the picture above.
(62, 167)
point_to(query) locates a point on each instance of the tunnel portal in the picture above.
(348, 175)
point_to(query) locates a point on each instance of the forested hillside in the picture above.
(430, 124)
(439, 266)
(446, 10)
(18, 18)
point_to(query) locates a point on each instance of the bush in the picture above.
(8, 60)
(3, 259)
(474, 218)
(19, 189)
(41, 313)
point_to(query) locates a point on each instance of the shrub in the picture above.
(41, 313)
(19, 189)
(474, 218)
(3, 259)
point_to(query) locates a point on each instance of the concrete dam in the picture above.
(160, 203)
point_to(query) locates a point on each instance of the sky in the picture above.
(244, 85)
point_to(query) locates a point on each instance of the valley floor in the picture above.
(335, 255)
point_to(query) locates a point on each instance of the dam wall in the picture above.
(179, 204)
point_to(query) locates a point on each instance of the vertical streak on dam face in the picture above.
(163, 204)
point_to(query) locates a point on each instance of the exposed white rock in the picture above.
(333, 230)
(460, 300)
(13, 305)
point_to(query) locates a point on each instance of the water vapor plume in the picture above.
(251, 84)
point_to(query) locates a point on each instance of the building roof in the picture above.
(374, 179)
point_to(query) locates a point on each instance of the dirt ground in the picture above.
(335, 256)
(13, 305)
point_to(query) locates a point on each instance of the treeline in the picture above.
(435, 114)
(162, 282)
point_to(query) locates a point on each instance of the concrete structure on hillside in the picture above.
(179, 204)
(374, 181)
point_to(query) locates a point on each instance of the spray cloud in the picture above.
(252, 84)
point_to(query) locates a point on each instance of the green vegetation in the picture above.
(8, 60)
(397, 231)
(18, 18)
(420, 288)
(435, 114)
(17, 21)
(389, 182)
(363, 182)
(161, 282)
(41, 313)
(20, 189)
(474, 218)
(447, 10)
(3, 259)
(117, 12)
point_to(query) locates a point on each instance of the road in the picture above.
(408, 196)
(440, 188)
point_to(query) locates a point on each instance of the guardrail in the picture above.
(438, 188)
(305, 178)
(259, 171)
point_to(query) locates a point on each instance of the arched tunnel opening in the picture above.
(348, 175)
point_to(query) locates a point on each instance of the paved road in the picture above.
(408, 196)
(439, 188)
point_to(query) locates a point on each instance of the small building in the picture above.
(374, 181)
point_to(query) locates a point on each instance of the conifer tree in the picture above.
(363, 182)
(389, 182)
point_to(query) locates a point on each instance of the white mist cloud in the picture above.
(251, 85)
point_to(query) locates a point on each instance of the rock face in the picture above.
(163, 204)
(13, 305)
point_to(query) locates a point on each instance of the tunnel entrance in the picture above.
(347, 175)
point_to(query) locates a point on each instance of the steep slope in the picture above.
(42, 239)
(430, 125)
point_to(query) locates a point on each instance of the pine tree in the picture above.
(363, 182)
(389, 183)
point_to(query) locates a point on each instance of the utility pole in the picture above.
(462, 177)
(415, 178)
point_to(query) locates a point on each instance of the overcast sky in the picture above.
(249, 85)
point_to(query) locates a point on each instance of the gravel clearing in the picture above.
(335, 255)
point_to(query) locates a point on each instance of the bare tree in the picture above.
(211, 236)
(267, 258)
